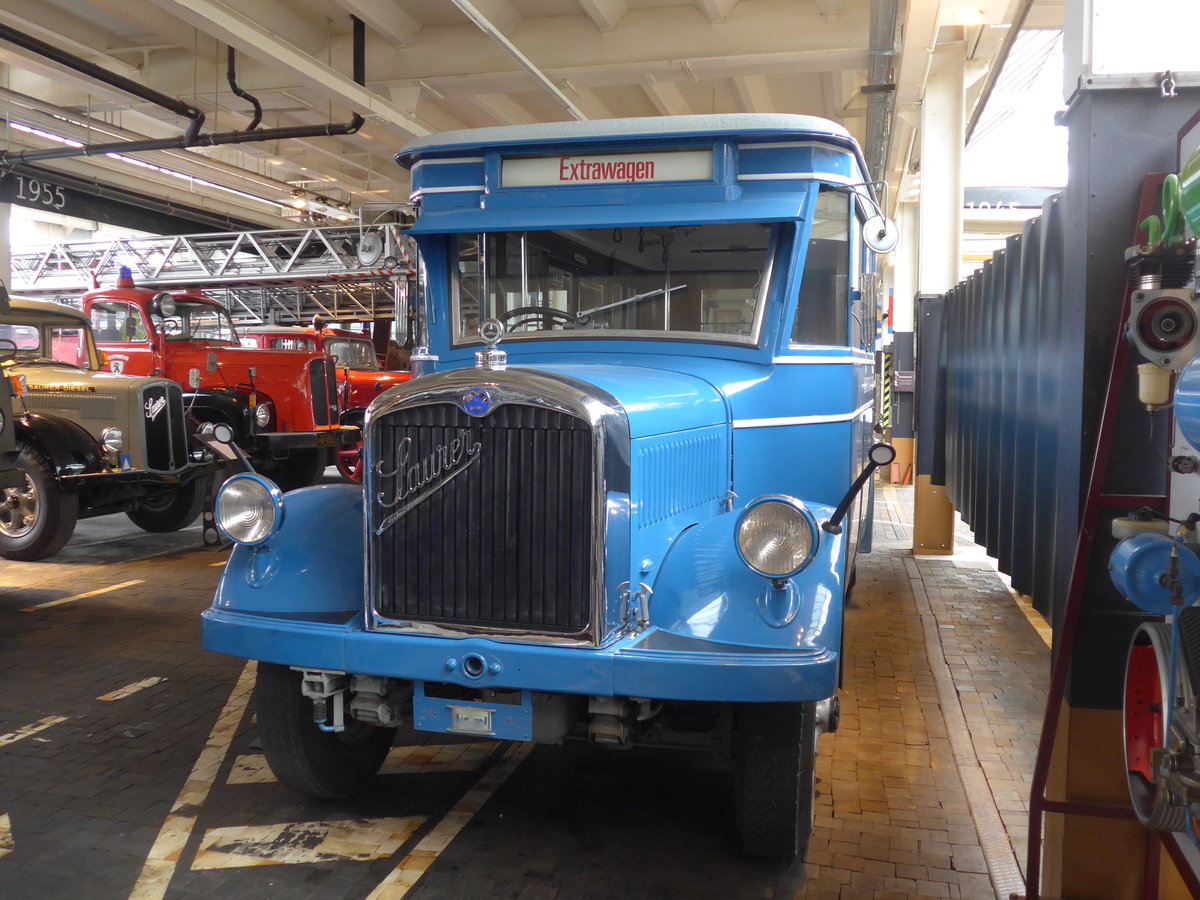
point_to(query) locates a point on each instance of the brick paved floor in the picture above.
(85, 798)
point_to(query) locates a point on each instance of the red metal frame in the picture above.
(1096, 500)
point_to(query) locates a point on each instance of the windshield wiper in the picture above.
(634, 299)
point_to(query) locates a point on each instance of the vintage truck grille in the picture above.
(164, 424)
(322, 380)
(492, 520)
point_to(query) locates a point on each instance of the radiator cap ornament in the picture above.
(491, 330)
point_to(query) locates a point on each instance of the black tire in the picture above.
(775, 746)
(312, 762)
(173, 510)
(36, 520)
(298, 469)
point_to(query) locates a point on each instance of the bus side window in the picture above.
(822, 308)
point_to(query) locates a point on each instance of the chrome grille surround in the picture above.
(163, 426)
(609, 548)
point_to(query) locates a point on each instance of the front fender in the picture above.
(313, 565)
(222, 406)
(704, 590)
(65, 442)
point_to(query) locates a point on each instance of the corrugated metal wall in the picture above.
(1000, 366)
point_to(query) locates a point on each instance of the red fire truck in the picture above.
(283, 406)
(359, 376)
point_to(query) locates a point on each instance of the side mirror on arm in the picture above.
(880, 454)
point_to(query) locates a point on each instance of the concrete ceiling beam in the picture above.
(253, 39)
(388, 20)
(667, 98)
(606, 14)
(753, 93)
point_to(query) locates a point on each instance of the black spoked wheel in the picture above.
(775, 744)
(298, 469)
(312, 762)
(1144, 712)
(38, 517)
(173, 510)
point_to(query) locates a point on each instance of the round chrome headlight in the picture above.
(249, 509)
(112, 438)
(776, 536)
(262, 414)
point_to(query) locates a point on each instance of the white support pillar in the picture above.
(904, 271)
(943, 126)
(5, 244)
(939, 246)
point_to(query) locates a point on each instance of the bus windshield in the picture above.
(693, 282)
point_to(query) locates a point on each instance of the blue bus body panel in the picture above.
(712, 425)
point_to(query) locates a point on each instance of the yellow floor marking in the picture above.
(251, 768)
(402, 878)
(21, 733)
(95, 593)
(131, 689)
(177, 829)
(218, 564)
(6, 838)
(296, 843)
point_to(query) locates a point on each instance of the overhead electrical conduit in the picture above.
(191, 137)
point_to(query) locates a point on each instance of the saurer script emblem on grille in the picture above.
(417, 480)
(154, 407)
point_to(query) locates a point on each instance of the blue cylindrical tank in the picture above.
(1187, 403)
(1137, 567)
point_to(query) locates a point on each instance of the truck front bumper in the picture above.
(653, 664)
(278, 441)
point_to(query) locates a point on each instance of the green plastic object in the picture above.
(1172, 217)
(1153, 228)
(1189, 192)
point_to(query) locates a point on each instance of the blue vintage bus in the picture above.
(621, 501)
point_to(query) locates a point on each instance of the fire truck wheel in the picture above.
(349, 462)
(775, 747)
(173, 510)
(299, 469)
(37, 519)
(315, 763)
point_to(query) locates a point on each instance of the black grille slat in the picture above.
(163, 427)
(506, 543)
(322, 382)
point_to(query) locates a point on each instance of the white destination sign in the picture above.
(614, 168)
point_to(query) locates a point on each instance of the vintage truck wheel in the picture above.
(298, 469)
(173, 510)
(775, 745)
(312, 762)
(37, 519)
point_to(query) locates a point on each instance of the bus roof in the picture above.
(744, 125)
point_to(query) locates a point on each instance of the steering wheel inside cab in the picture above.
(543, 318)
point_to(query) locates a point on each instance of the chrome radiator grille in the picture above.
(488, 522)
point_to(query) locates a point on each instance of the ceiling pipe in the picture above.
(191, 138)
(231, 77)
(91, 70)
(485, 25)
(881, 87)
(993, 76)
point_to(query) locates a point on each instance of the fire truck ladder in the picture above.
(343, 272)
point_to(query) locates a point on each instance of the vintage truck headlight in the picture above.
(249, 509)
(776, 536)
(262, 415)
(112, 438)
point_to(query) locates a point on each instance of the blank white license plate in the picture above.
(470, 719)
